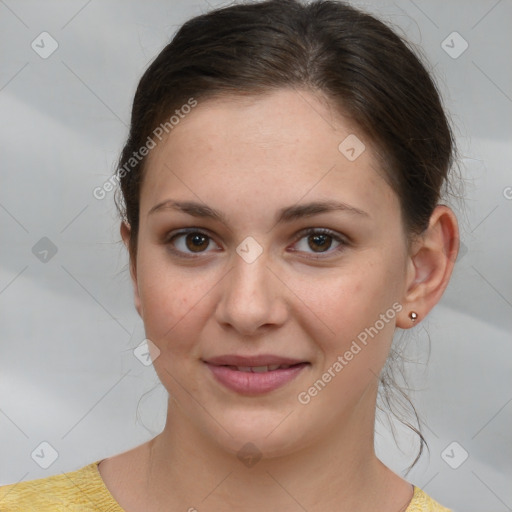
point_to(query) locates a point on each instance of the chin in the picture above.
(259, 434)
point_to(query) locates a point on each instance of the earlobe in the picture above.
(126, 236)
(431, 264)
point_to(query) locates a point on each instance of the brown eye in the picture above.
(187, 243)
(319, 242)
(196, 242)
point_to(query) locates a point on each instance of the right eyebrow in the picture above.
(191, 208)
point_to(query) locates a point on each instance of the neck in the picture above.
(337, 470)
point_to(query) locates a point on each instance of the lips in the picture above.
(253, 375)
(260, 369)
(253, 361)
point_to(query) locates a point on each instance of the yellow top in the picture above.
(83, 490)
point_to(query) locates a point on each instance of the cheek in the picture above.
(354, 303)
(359, 307)
(174, 312)
(170, 299)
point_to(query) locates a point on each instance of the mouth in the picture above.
(262, 369)
(254, 375)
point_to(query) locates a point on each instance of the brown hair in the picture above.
(365, 70)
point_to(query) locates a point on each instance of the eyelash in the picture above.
(303, 234)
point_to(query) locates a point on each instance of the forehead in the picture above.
(283, 145)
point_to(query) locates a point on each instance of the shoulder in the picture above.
(82, 490)
(421, 502)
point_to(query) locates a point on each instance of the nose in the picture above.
(253, 299)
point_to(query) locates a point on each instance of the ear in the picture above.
(126, 235)
(430, 266)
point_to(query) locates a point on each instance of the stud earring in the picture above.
(413, 316)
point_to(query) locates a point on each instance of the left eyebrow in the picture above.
(295, 212)
(287, 214)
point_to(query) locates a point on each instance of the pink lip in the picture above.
(249, 383)
(259, 360)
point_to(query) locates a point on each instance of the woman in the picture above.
(280, 205)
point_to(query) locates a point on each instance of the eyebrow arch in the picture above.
(287, 214)
(190, 207)
(294, 212)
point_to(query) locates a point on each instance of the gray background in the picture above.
(68, 375)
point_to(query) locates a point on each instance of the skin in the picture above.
(248, 158)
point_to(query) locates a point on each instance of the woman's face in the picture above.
(231, 281)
